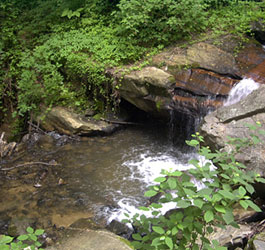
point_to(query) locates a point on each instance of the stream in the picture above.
(98, 178)
(94, 178)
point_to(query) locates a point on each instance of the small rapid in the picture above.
(241, 90)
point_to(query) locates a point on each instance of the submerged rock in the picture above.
(120, 229)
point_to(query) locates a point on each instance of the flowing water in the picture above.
(97, 178)
(241, 90)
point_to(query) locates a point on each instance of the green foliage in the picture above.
(160, 21)
(57, 51)
(198, 210)
(236, 18)
(29, 240)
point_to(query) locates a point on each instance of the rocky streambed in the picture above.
(69, 184)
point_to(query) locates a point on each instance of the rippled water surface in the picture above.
(97, 178)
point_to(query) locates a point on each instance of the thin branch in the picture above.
(37, 127)
(32, 163)
(119, 122)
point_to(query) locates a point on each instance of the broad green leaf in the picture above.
(250, 188)
(169, 242)
(65, 12)
(208, 216)
(33, 237)
(198, 203)
(155, 205)
(183, 203)
(155, 242)
(192, 143)
(179, 216)
(242, 191)
(262, 180)
(174, 231)
(220, 208)
(158, 230)
(23, 237)
(188, 184)
(136, 244)
(243, 204)
(205, 191)
(217, 197)
(30, 230)
(160, 179)
(37, 244)
(150, 193)
(137, 237)
(144, 208)
(41, 231)
(5, 239)
(226, 194)
(228, 217)
(225, 176)
(189, 192)
(172, 182)
(176, 173)
(253, 205)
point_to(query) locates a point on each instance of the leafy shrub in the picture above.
(56, 52)
(29, 240)
(199, 210)
(236, 18)
(160, 21)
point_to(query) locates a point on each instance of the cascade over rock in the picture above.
(230, 121)
(212, 71)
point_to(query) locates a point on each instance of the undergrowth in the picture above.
(56, 52)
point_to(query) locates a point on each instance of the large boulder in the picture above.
(231, 121)
(93, 240)
(191, 80)
(67, 122)
(147, 89)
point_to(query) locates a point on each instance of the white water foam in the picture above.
(146, 169)
(241, 90)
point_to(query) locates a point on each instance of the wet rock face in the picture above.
(231, 121)
(198, 91)
(212, 72)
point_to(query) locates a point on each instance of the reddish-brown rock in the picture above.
(258, 73)
(249, 58)
(204, 82)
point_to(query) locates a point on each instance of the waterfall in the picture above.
(241, 90)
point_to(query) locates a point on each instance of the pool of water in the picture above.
(99, 177)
